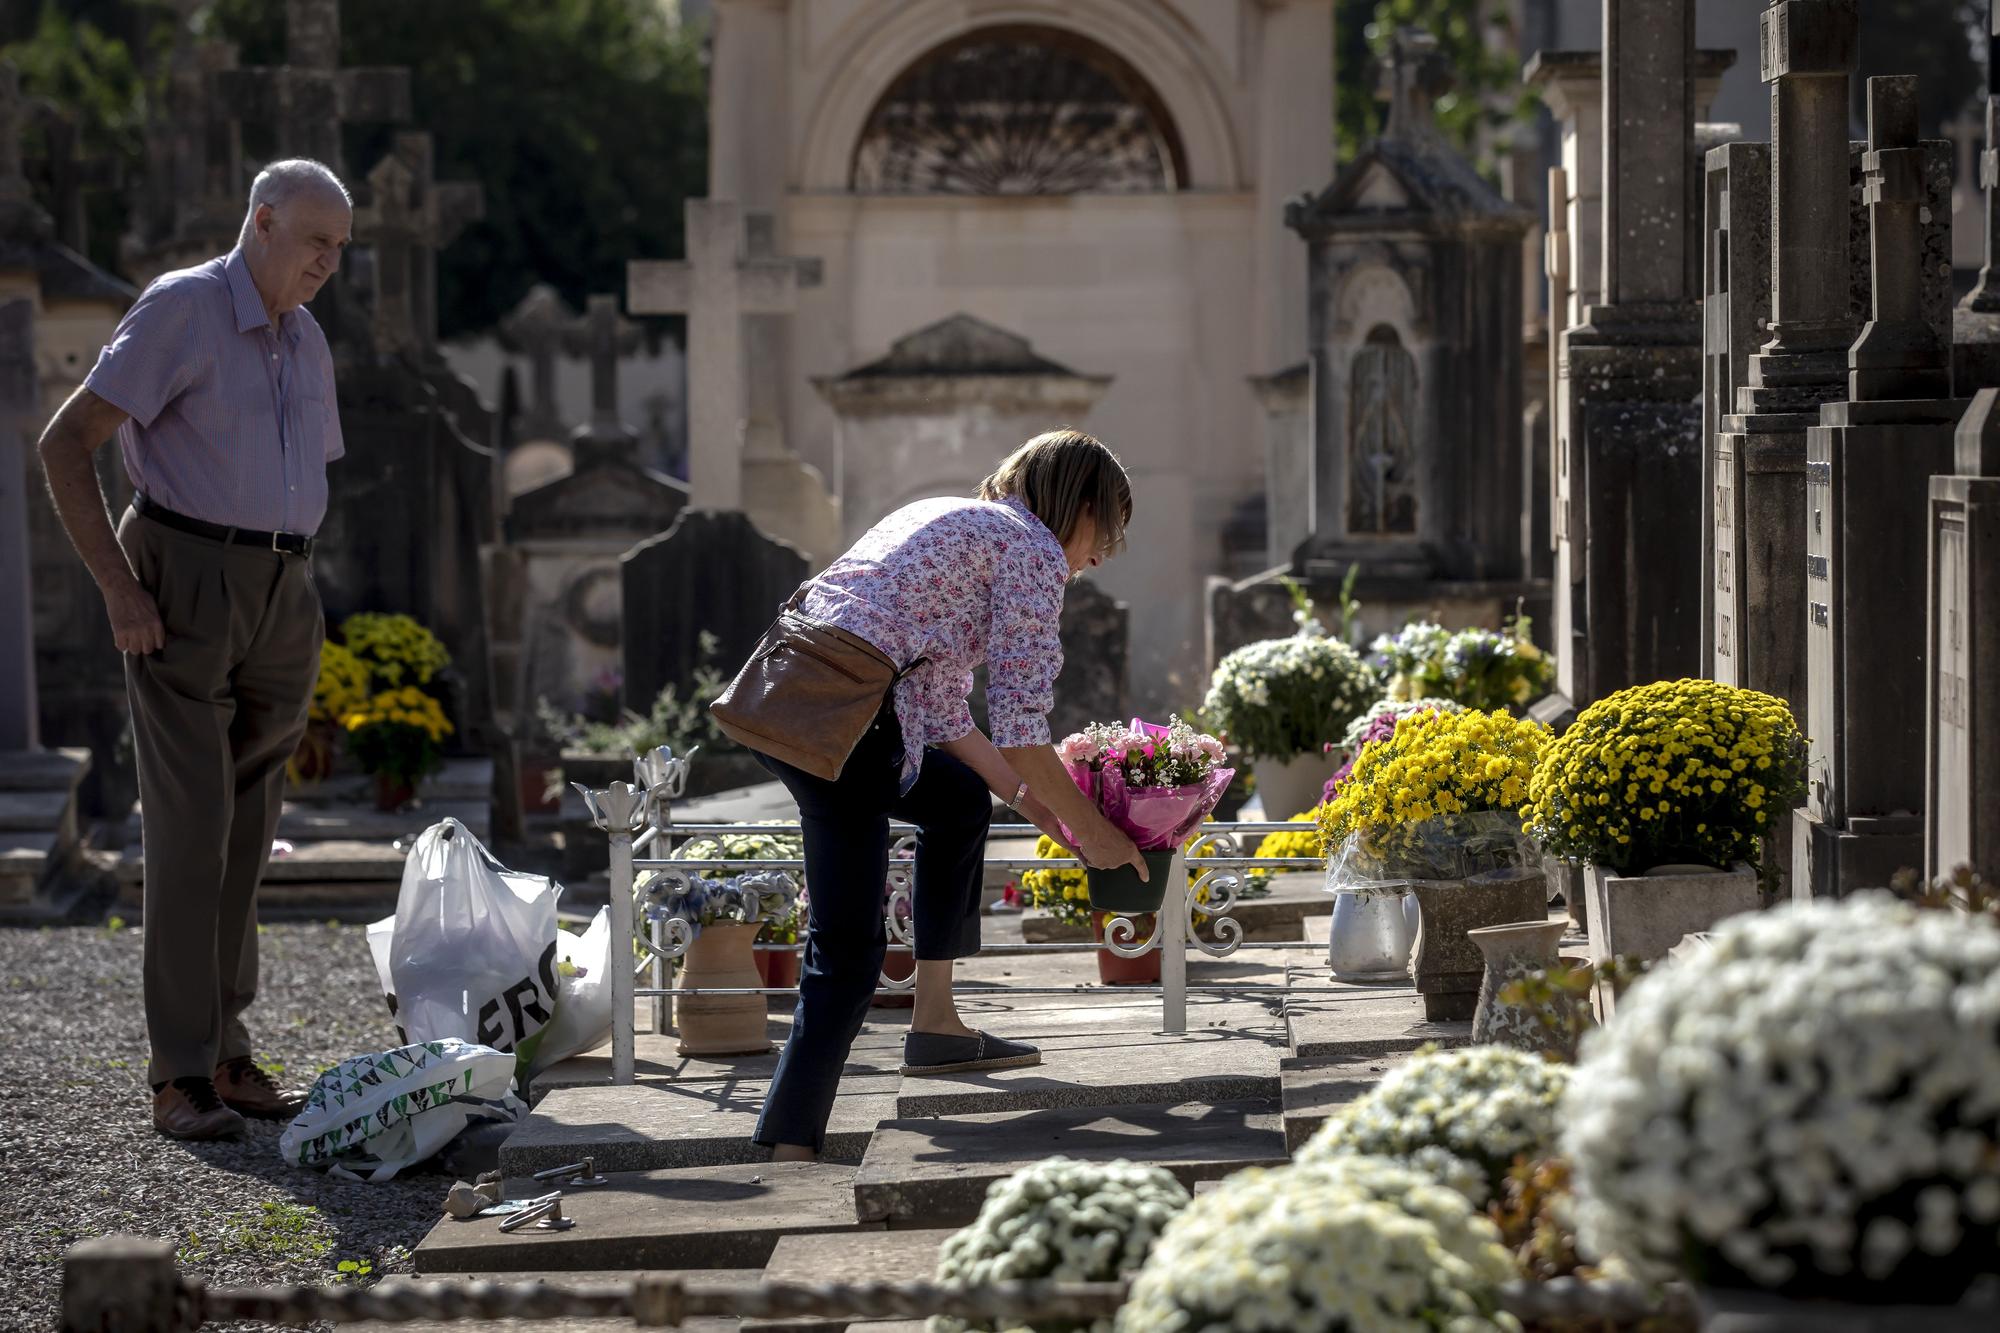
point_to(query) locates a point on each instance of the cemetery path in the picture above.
(78, 1155)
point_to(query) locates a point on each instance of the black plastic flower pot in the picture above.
(1120, 889)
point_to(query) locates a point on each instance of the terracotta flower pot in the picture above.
(1117, 970)
(1446, 966)
(536, 799)
(721, 956)
(312, 761)
(778, 967)
(897, 966)
(393, 792)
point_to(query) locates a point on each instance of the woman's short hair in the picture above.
(1058, 474)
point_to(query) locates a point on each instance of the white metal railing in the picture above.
(639, 818)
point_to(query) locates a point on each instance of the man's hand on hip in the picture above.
(135, 617)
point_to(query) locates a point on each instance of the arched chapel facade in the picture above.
(1103, 180)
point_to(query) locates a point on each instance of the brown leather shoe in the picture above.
(188, 1108)
(246, 1089)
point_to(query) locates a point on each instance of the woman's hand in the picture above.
(1107, 847)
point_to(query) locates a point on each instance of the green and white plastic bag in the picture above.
(373, 1115)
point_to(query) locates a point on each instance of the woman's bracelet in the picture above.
(1020, 795)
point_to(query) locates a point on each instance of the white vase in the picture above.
(1293, 786)
(1371, 935)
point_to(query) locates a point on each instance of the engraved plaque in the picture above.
(1951, 777)
(1727, 664)
(1822, 628)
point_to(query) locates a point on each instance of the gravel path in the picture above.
(78, 1155)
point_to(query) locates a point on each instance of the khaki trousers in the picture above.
(215, 716)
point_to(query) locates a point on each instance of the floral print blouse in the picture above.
(956, 582)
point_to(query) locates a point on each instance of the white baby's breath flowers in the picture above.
(1356, 1245)
(1064, 1220)
(1811, 1104)
(1462, 1116)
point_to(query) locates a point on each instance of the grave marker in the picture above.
(1962, 749)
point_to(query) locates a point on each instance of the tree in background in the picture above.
(1476, 36)
(585, 121)
(1941, 41)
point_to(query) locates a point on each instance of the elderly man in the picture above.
(219, 386)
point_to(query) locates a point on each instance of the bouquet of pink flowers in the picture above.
(1156, 783)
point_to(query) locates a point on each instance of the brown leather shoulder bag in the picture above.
(808, 694)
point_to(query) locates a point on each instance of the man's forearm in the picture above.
(68, 448)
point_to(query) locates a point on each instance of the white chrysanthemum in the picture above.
(1358, 1245)
(1461, 1115)
(1061, 1219)
(1279, 698)
(1811, 1104)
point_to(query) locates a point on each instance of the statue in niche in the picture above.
(1381, 458)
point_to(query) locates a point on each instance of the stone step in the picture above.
(1095, 1054)
(43, 770)
(849, 1256)
(703, 1217)
(34, 811)
(1315, 1086)
(932, 1173)
(468, 778)
(658, 1125)
(877, 1050)
(1356, 1019)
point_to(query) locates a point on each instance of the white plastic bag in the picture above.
(369, 1117)
(583, 995)
(472, 950)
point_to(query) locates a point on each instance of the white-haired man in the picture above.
(219, 387)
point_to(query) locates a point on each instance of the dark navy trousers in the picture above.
(846, 824)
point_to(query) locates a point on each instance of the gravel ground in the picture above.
(79, 1158)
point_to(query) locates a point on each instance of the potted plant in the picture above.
(1433, 810)
(340, 688)
(1354, 1243)
(1800, 1120)
(1280, 702)
(780, 966)
(398, 737)
(783, 921)
(723, 917)
(1156, 784)
(1665, 792)
(395, 649)
(1065, 895)
(1477, 668)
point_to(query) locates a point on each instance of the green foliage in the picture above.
(1475, 37)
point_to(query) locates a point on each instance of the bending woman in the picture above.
(954, 583)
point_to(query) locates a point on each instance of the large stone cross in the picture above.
(538, 328)
(603, 335)
(407, 219)
(715, 287)
(1412, 76)
(310, 97)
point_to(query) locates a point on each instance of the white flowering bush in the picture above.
(1356, 1245)
(1282, 698)
(1064, 1220)
(1811, 1106)
(1463, 1116)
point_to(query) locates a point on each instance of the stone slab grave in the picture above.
(1314, 1087)
(849, 1256)
(343, 850)
(701, 1217)
(1352, 1020)
(936, 1172)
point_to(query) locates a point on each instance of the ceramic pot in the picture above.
(392, 793)
(897, 966)
(722, 955)
(1117, 970)
(1121, 892)
(1762, 1312)
(1293, 786)
(536, 799)
(778, 967)
(1512, 952)
(1372, 935)
(1446, 966)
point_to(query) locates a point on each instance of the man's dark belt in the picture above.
(290, 543)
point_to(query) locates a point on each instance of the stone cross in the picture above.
(1649, 98)
(603, 335)
(1985, 297)
(1899, 353)
(407, 219)
(536, 328)
(715, 287)
(310, 97)
(19, 382)
(1808, 49)
(1413, 74)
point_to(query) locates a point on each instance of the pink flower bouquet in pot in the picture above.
(1156, 783)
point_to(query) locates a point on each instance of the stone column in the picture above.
(1294, 155)
(1648, 124)
(1869, 464)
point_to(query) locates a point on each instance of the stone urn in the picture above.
(723, 955)
(1512, 952)
(1763, 1312)
(1372, 934)
(1644, 916)
(1446, 965)
(1293, 786)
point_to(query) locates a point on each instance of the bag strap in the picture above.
(799, 597)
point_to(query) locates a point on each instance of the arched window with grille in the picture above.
(1381, 456)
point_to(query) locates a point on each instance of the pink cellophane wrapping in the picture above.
(1153, 817)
